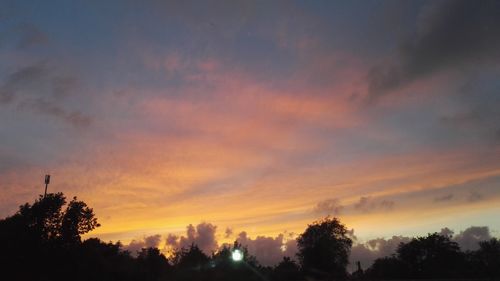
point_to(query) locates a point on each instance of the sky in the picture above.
(223, 120)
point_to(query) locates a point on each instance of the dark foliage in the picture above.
(287, 270)
(485, 262)
(431, 256)
(387, 268)
(324, 249)
(437, 257)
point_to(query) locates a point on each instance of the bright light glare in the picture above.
(237, 255)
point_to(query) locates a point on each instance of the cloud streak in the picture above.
(368, 204)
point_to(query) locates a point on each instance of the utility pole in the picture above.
(47, 181)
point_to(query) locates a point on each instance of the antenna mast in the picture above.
(47, 181)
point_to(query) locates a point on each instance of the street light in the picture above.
(237, 255)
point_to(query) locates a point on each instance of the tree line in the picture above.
(42, 241)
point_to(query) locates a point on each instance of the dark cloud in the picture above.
(387, 205)
(135, 246)
(74, 118)
(364, 204)
(474, 196)
(329, 207)
(369, 204)
(465, 119)
(450, 34)
(203, 235)
(63, 86)
(477, 113)
(469, 238)
(444, 198)
(24, 78)
(446, 232)
(30, 35)
(38, 89)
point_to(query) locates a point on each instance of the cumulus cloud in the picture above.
(469, 238)
(456, 34)
(268, 250)
(446, 232)
(203, 235)
(291, 248)
(135, 246)
(329, 207)
(369, 251)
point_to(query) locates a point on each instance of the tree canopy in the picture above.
(324, 248)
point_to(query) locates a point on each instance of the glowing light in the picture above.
(237, 255)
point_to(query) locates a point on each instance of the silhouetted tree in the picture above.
(324, 249)
(387, 268)
(78, 219)
(97, 260)
(486, 259)
(222, 258)
(44, 217)
(153, 263)
(287, 270)
(191, 258)
(222, 266)
(432, 256)
(36, 234)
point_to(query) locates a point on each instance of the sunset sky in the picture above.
(255, 116)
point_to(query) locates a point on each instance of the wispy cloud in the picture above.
(443, 198)
(369, 204)
(329, 207)
(38, 89)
